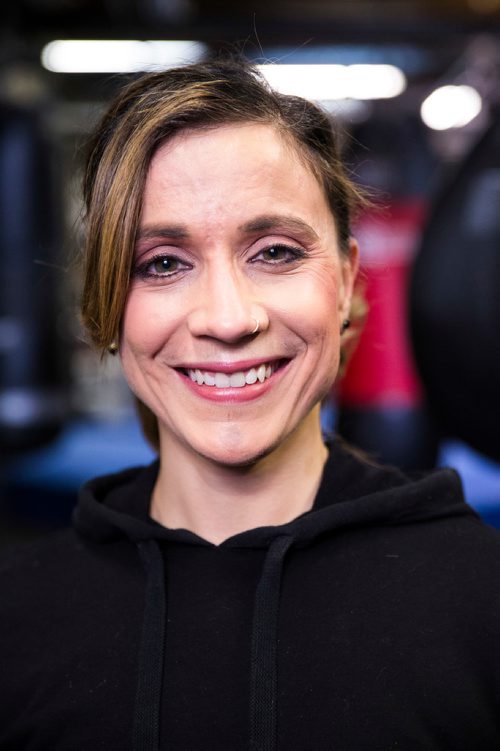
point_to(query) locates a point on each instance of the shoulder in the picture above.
(61, 568)
(62, 592)
(425, 512)
(52, 552)
(70, 611)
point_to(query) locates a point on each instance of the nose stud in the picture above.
(257, 325)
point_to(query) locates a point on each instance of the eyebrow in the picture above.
(264, 223)
(278, 222)
(173, 231)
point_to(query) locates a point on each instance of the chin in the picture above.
(237, 450)
(237, 458)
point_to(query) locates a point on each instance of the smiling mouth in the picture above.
(236, 380)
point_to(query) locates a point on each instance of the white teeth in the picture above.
(237, 380)
(222, 380)
(251, 376)
(234, 380)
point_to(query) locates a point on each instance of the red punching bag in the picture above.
(381, 407)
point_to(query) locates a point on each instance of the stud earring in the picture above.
(345, 325)
(113, 348)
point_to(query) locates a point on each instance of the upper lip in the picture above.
(229, 367)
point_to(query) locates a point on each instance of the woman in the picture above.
(256, 587)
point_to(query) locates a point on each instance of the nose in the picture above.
(226, 309)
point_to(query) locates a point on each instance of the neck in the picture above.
(217, 501)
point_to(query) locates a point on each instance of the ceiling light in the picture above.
(117, 56)
(334, 82)
(451, 107)
(374, 81)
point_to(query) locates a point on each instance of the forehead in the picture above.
(262, 142)
(232, 168)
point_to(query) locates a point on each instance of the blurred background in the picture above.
(415, 88)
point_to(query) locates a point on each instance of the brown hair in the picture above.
(151, 110)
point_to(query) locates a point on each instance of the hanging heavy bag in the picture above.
(31, 398)
(455, 301)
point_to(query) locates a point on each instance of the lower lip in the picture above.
(234, 395)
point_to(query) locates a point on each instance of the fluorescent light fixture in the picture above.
(117, 55)
(451, 107)
(334, 82)
(311, 81)
(352, 110)
(374, 81)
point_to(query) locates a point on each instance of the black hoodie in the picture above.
(371, 623)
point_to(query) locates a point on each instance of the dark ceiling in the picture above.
(433, 38)
(218, 20)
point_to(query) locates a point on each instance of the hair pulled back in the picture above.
(150, 111)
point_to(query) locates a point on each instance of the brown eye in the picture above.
(161, 267)
(164, 265)
(275, 253)
(278, 254)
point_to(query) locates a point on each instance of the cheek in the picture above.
(145, 322)
(143, 334)
(314, 306)
(321, 328)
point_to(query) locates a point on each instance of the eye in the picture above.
(279, 254)
(160, 267)
(164, 265)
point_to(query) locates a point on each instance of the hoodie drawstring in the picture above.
(264, 680)
(146, 733)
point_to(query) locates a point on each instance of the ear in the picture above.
(349, 271)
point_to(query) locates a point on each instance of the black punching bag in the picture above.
(31, 402)
(455, 301)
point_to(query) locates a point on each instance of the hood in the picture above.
(354, 492)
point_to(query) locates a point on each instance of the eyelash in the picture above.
(143, 270)
(295, 254)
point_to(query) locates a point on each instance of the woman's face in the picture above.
(234, 229)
